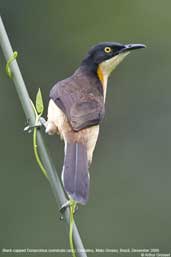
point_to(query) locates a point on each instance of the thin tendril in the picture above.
(11, 59)
(35, 149)
(35, 142)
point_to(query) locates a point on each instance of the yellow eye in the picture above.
(107, 50)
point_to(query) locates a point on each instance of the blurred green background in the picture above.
(129, 205)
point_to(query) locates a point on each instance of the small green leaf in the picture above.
(39, 102)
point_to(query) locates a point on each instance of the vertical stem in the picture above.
(29, 113)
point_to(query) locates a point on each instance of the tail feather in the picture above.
(75, 172)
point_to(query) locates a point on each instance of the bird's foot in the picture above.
(64, 207)
(41, 122)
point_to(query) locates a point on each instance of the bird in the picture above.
(76, 109)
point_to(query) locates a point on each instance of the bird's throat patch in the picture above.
(103, 79)
(100, 74)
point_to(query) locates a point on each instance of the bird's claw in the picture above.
(30, 128)
(64, 207)
(76, 209)
(41, 122)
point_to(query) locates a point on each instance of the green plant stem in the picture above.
(30, 116)
(72, 210)
(72, 202)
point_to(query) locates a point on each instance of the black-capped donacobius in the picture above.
(76, 109)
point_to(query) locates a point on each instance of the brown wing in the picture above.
(85, 114)
(80, 100)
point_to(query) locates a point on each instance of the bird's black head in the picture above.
(111, 53)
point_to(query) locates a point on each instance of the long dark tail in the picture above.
(75, 172)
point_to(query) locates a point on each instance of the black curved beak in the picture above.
(131, 47)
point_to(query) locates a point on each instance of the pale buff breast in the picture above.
(58, 123)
